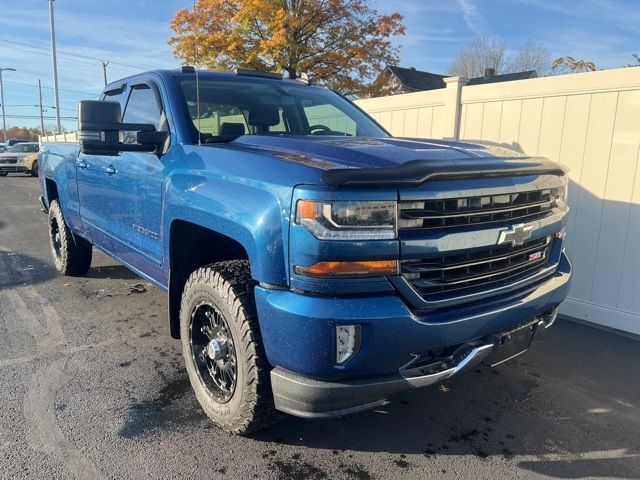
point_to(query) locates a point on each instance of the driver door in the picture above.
(136, 202)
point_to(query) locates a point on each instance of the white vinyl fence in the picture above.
(588, 121)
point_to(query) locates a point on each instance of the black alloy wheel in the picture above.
(213, 351)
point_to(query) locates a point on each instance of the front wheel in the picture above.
(34, 169)
(71, 254)
(223, 349)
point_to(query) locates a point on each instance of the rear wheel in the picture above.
(71, 254)
(223, 348)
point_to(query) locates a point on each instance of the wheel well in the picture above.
(192, 246)
(52, 190)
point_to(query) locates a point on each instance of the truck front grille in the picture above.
(8, 160)
(476, 211)
(460, 274)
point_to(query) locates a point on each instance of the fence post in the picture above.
(452, 107)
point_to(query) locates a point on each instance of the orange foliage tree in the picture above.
(343, 44)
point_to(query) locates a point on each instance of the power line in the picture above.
(37, 106)
(46, 55)
(38, 116)
(93, 63)
(137, 67)
(93, 94)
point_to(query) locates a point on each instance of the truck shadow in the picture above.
(540, 406)
(18, 269)
(114, 272)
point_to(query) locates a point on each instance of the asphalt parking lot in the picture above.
(92, 386)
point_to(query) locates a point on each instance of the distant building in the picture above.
(396, 79)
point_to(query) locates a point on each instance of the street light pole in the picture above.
(4, 122)
(55, 65)
(41, 113)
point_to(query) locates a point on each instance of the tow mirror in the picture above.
(101, 131)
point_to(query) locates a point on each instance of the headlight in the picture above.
(355, 220)
(557, 196)
(562, 195)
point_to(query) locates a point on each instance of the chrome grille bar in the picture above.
(477, 210)
(411, 267)
(414, 213)
(452, 274)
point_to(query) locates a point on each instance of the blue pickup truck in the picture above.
(314, 264)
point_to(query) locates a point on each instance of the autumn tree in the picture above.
(340, 43)
(485, 52)
(24, 133)
(568, 64)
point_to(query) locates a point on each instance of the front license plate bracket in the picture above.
(510, 344)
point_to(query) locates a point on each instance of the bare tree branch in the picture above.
(485, 52)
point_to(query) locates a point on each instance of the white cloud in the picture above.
(473, 19)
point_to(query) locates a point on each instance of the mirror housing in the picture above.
(101, 131)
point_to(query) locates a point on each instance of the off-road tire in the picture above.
(229, 288)
(34, 169)
(71, 254)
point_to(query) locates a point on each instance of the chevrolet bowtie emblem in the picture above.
(516, 235)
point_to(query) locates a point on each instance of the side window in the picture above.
(327, 116)
(143, 107)
(280, 127)
(219, 119)
(33, 148)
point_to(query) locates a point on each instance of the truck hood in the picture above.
(393, 161)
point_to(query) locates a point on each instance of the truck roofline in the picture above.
(240, 75)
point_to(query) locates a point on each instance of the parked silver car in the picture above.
(21, 157)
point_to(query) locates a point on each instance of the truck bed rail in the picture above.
(70, 137)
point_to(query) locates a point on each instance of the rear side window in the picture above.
(143, 107)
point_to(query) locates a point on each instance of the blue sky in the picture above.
(133, 33)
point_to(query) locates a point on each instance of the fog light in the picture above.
(347, 342)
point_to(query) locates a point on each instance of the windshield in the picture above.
(230, 108)
(23, 148)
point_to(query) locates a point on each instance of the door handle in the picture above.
(81, 164)
(110, 170)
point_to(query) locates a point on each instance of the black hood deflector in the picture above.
(416, 172)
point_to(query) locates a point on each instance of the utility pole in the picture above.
(104, 71)
(4, 123)
(41, 114)
(55, 65)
